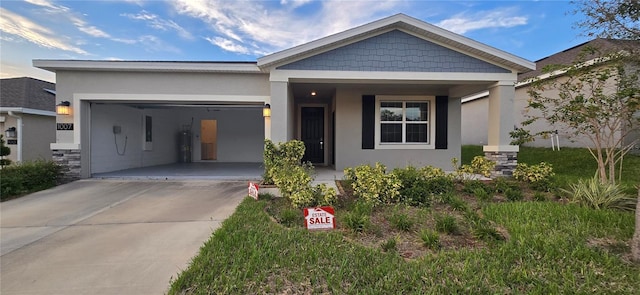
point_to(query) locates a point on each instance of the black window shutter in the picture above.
(368, 121)
(442, 109)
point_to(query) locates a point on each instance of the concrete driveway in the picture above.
(109, 236)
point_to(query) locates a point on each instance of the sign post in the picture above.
(253, 190)
(319, 218)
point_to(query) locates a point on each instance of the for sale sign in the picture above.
(253, 190)
(319, 218)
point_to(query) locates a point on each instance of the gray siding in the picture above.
(394, 51)
(349, 150)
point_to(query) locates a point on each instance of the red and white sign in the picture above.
(319, 218)
(253, 190)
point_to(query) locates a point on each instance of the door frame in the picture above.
(325, 128)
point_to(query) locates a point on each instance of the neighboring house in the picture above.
(474, 107)
(388, 91)
(28, 118)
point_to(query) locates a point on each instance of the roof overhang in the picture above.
(146, 66)
(27, 111)
(406, 24)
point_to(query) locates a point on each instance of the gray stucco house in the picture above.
(28, 118)
(388, 91)
(475, 117)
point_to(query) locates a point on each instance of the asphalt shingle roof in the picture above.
(568, 56)
(27, 92)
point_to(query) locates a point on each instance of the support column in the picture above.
(501, 122)
(281, 112)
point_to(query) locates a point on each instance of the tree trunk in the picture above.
(635, 243)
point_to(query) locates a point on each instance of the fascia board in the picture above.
(145, 66)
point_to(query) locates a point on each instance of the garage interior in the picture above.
(176, 139)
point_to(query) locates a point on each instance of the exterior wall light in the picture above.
(266, 110)
(63, 108)
(11, 133)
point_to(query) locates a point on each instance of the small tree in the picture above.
(594, 102)
(4, 151)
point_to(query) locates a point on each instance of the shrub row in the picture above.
(28, 177)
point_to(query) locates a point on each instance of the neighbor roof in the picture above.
(568, 56)
(28, 93)
(407, 24)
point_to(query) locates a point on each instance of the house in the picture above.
(474, 107)
(28, 118)
(387, 91)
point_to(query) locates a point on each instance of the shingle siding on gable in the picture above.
(394, 51)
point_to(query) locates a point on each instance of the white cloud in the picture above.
(155, 44)
(228, 45)
(69, 15)
(270, 29)
(26, 29)
(500, 18)
(158, 23)
(295, 3)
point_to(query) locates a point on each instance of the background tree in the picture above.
(595, 102)
(615, 19)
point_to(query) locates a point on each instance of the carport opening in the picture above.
(182, 134)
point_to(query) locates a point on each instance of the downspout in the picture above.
(20, 134)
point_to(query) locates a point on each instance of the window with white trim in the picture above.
(404, 122)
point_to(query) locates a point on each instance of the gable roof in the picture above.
(27, 92)
(406, 24)
(568, 56)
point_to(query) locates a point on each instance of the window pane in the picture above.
(391, 111)
(391, 132)
(417, 111)
(417, 133)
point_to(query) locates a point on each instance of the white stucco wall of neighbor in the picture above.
(349, 152)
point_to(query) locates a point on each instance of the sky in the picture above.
(226, 30)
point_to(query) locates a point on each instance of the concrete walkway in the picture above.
(109, 236)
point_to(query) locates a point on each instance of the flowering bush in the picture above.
(372, 184)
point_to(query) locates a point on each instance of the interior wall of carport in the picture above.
(240, 132)
(349, 152)
(111, 152)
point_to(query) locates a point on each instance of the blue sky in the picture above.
(225, 30)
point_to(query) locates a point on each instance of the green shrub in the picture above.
(419, 185)
(389, 245)
(514, 195)
(372, 184)
(479, 165)
(401, 221)
(501, 185)
(447, 224)
(28, 177)
(538, 176)
(457, 203)
(470, 186)
(482, 195)
(598, 195)
(358, 218)
(283, 168)
(430, 239)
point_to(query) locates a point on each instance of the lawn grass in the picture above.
(549, 247)
(569, 164)
(552, 249)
